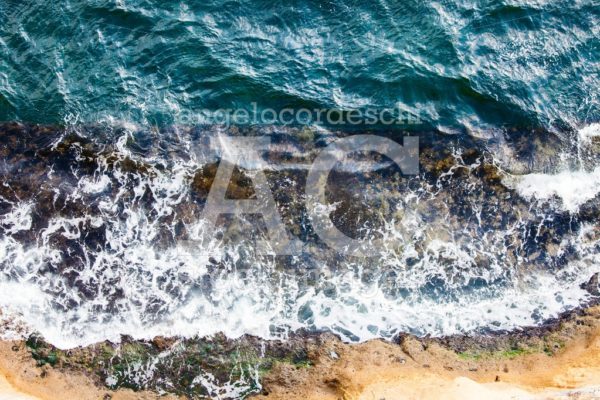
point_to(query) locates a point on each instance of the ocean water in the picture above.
(462, 67)
(107, 107)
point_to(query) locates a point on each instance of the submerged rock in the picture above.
(593, 285)
(111, 230)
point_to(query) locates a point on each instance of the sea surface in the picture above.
(107, 108)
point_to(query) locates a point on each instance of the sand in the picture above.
(9, 392)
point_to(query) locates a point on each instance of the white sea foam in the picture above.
(94, 185)
(573, 188)
(250, 304)
(588, 132)
(18, 219)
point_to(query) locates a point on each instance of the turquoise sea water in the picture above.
(460, 66)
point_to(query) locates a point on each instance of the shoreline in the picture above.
(556, 361)
(417, 370)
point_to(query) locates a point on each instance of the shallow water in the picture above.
(104, 237)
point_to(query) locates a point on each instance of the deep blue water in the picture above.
(476, 67)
